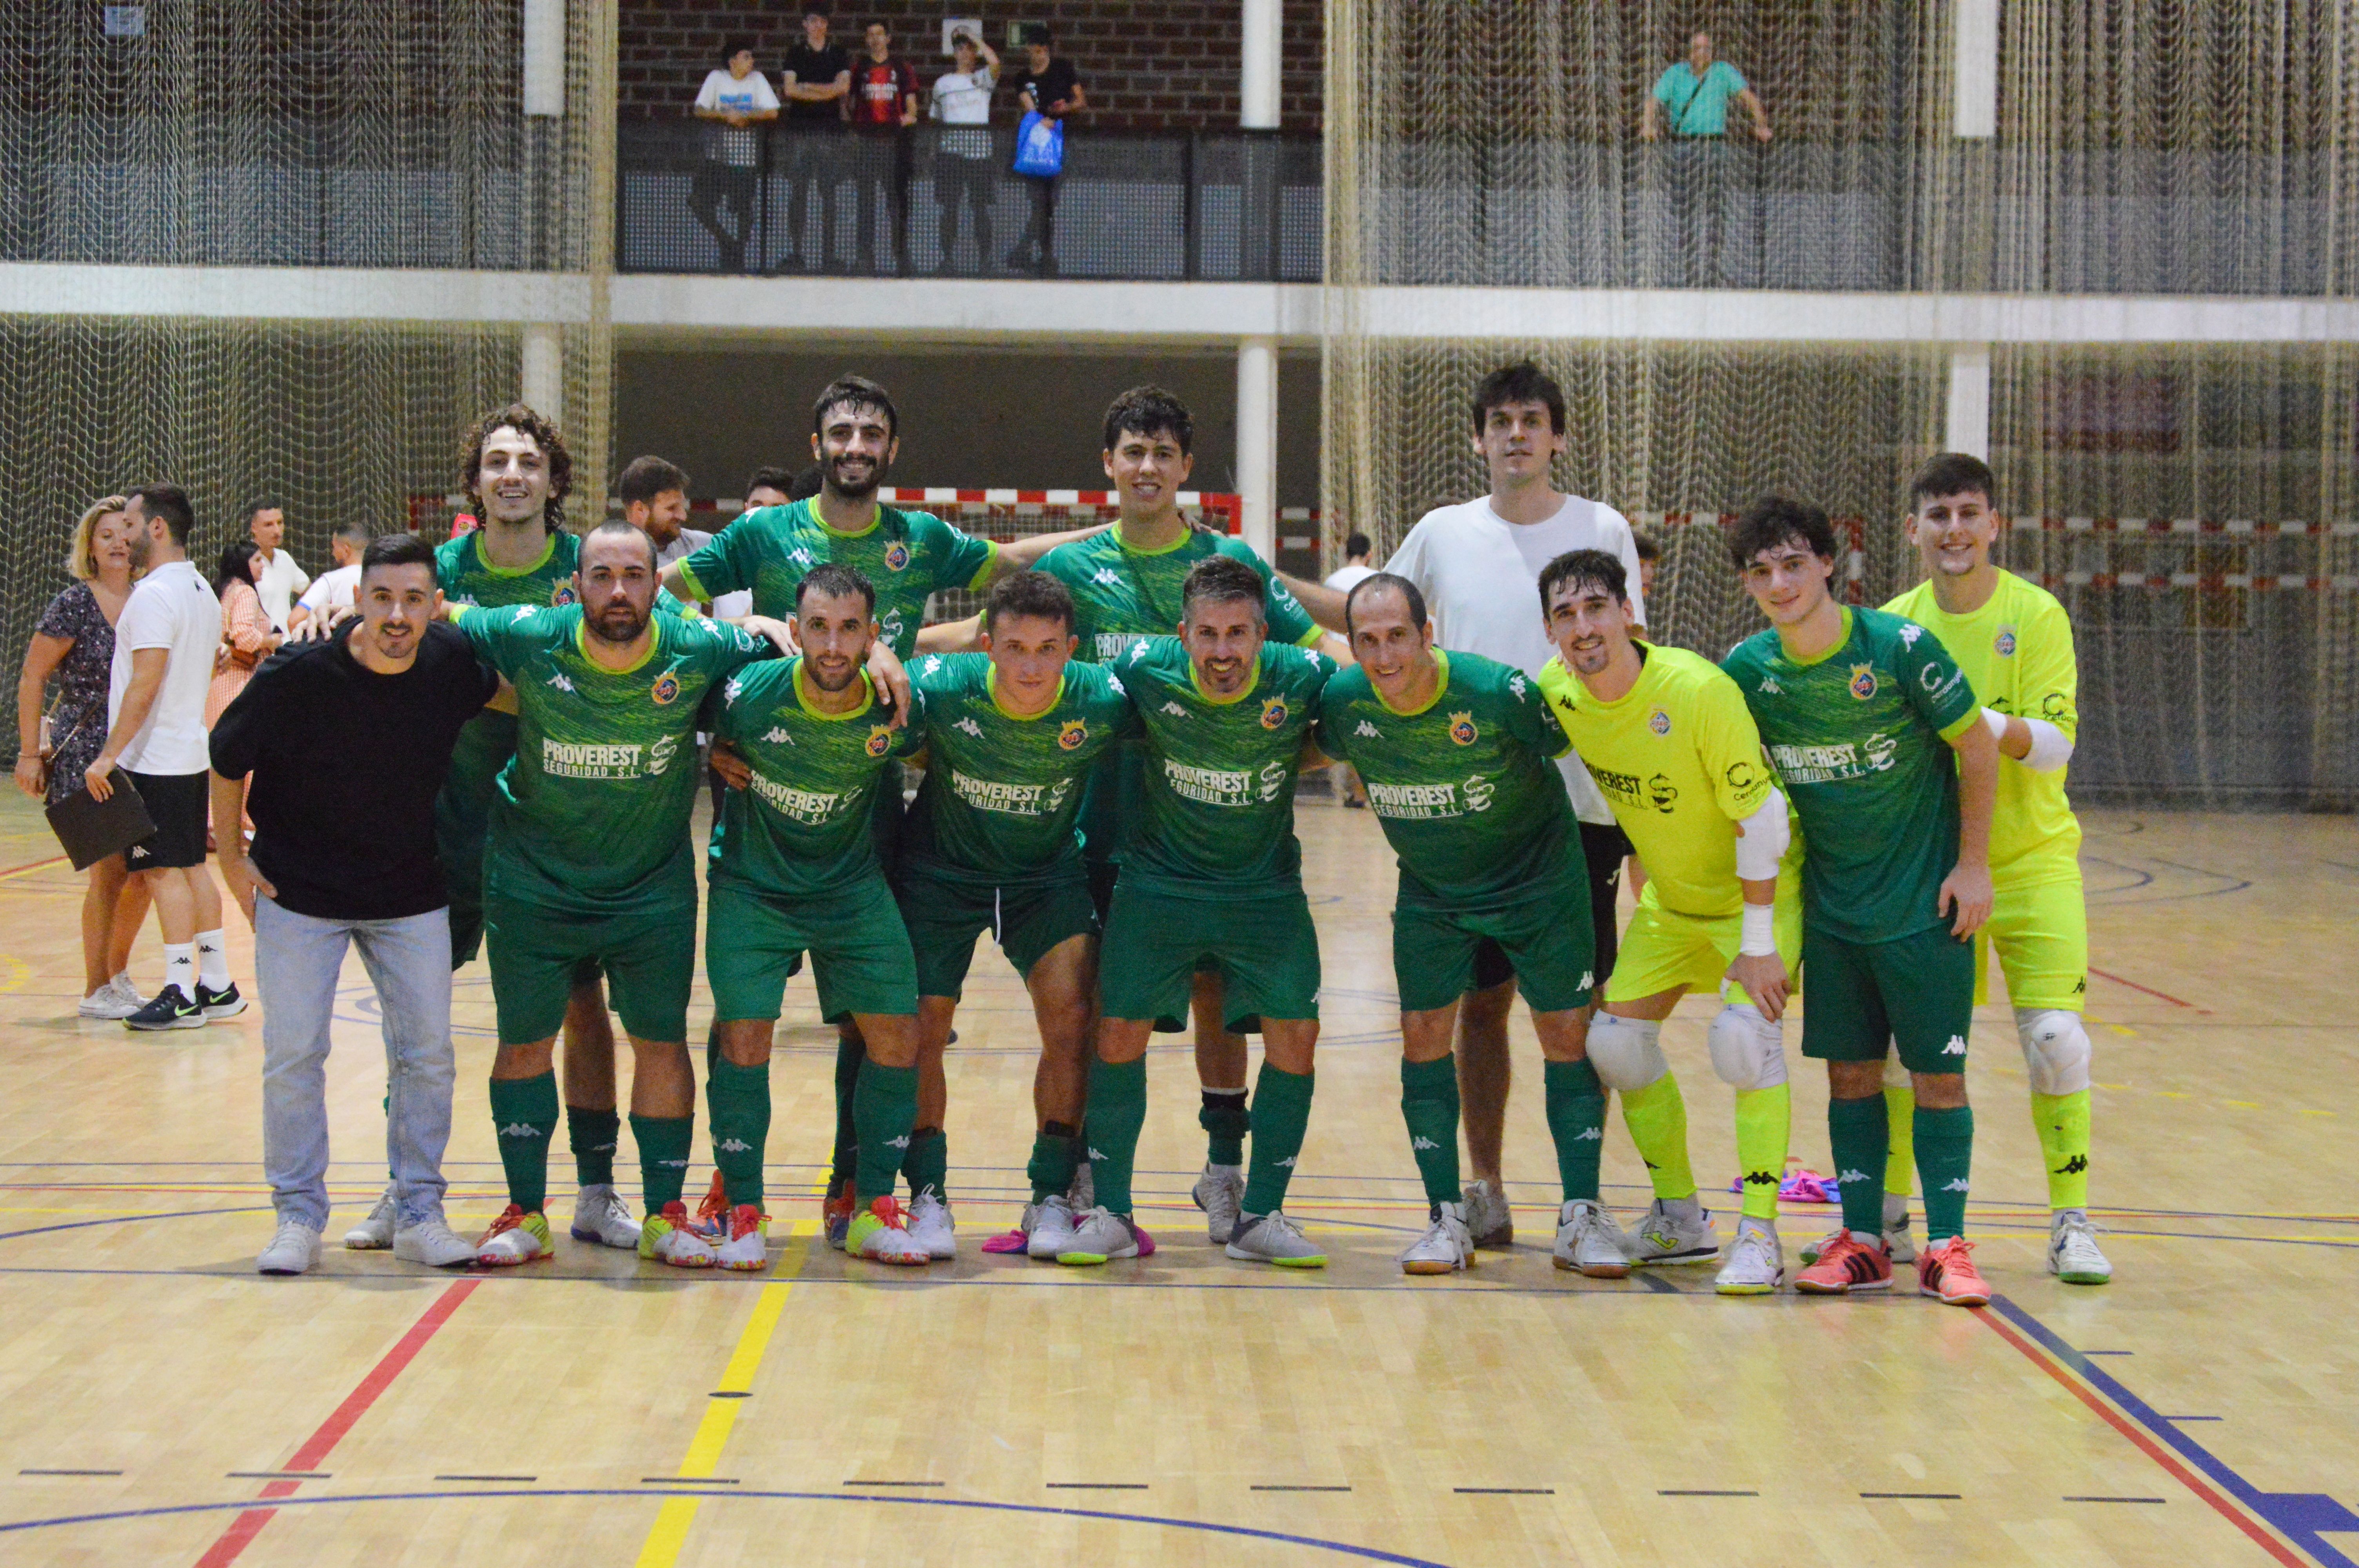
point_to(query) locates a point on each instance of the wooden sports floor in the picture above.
(161, 1404)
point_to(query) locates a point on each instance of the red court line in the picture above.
(247, 1525)
(2149, 991)
(2146, 1444)
(33, 866)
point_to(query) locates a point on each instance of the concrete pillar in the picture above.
(1257, 442)
(1258, 94)
(544, 59)
(1975, 67)
(543, 378)
(1969, 421)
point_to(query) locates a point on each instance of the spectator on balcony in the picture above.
(1050, 87)
(883, 105)
(1693, 94)
(962, 173)
(817, 81)
(739, 97)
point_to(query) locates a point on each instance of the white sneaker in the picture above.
(113, 1000)
(1219, 1191)
(1588, 1241)
(672, 1238)
(742, 1240)
(930, 1226)
(1048, 1228)
(1489, 1220)
(2073, 1255)
(1100, 1236)
(600, 1215)
(1445, 1248)
(292, 1252)
(880, 1233)
(1757, 1260)
(374, 1234)
(1273, 1238)
(430, 1242)
(1666, 1237)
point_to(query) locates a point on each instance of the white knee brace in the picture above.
(2055, 1050)
(1748, 1052)
(1626, 1052)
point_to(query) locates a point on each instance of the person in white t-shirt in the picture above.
(155, 731)
(277, 578)
(338, 587)
(740, 98)
(964, 174)
(1478, 565)
(1356, 568)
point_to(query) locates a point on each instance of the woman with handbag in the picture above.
(75, 642)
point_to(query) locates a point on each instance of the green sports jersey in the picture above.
(803, 826)
(466, 576)
(1465, 787)
(1857, 736)
(906, 557)
(593, 811)
(1002, 792)
(1217, 813)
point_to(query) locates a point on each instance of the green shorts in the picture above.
(463, 816)
(1547, 940)
(945, 914)
(647, 955)
(1916, 992)
(1264, 949)
(859, 950)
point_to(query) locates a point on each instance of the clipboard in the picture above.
(91, 830)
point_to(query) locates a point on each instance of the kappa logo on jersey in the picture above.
(880, 740)
(666, 689)
(1770, 687)
(1515, 683)
(1106, 577)
(933, 662)
(1909, 632)
(1663, 793)
(520, 612)
(1659, 723)
(801, 557)
(970, 726)
(1368, 732)
(1863, 681)
(777, 737)
(1956, 1047)
(560, 681)
(1274, 713)
(896, 556)
(2004, 643)
(1074, 734)
(1462, 729)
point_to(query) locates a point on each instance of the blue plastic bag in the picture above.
(1041, 145)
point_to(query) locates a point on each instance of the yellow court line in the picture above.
(670, 1532)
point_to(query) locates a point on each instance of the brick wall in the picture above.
(1147, 65)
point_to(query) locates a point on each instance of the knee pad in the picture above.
(1626, 1052)
(2056, 1050)
(1896, 1077)
(1748, 1052)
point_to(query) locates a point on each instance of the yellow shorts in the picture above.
(1665, 950)
(2041, 933)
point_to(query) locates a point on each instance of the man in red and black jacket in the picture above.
(883, 104)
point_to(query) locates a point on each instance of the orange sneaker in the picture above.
(837, 1212)
(1845, 1265)
(1947, 1269)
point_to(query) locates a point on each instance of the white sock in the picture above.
(212, 961)
(181, 967)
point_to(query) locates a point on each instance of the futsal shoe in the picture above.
(292, 1252)
(1947, 1269)
(1489, 1220)
(1083, 1195)
(930, 1226)
(1666, 1237)
(1846, 1265)
(1272, 1238)
(374, 1234)
(1756, 1262)
(835, 1212)
(1048, 1228)
(600, 1215)
(2073, 1255)
(515, 1237)
(1588, 1242)
(741, 1240)
(1445, 1248)
(114, 1000)
(430, 1241)
(1219, 1191)
(1100, 1236)
(170, 1010)
(672, 1238)
(1899, 1239)
(880, 1233)
(222, 1003)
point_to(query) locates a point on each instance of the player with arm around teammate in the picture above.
(1458, 753)
(1669, 740)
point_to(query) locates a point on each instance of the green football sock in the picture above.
(1900, 1163)
(738, 1100)
(1945, 1152)
(1764, 1131)
(524, 1112)
(1856, 1132)
(1429, 1106)
(664, 1143)
(1576, 1119)
(2063, 1122)
(884, 1106)
(1281, 1115)
(850, 1050)
(928, 1163)
(1118, 1111)
(1055, 1153)
(1656, 1116)
(593, 1135)
(1225, 1122)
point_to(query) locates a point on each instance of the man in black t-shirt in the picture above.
(1051, 88)
(347, 740)
(816, 86)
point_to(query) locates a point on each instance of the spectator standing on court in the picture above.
(1050, 87)
(1356, 568)
(654, 494)
(817, 80)
(964, 176)
(337, 588)
(883, 105)
(1650, 559)
(163, 665)
(246, 635)
(75, 641)
(278, 579)
(1694, 95)
(767, 486)
(739, 98)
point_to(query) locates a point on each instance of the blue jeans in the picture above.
(297, 959)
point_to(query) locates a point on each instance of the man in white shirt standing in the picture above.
(155, 731)
(964, 174)
(740, 98)
(338, 587)
(276, 577)
(1356, 568)
(1478, 565)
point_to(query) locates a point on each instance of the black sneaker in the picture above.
(222, 1003)
(170, 1010)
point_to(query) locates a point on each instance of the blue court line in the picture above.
(1364, 1554)
(2299, 1516)
(125, 1219)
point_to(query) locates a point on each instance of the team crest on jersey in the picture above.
(1073, 733)
(2005, 644)
(1659, 723)
(880, 740)
(1863, 682)
(666, 689)
(1274, 713)
(1462, 729)
(896, 556)
(562, 595)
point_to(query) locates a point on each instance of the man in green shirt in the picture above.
(1211, 875)
(1694, 95)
